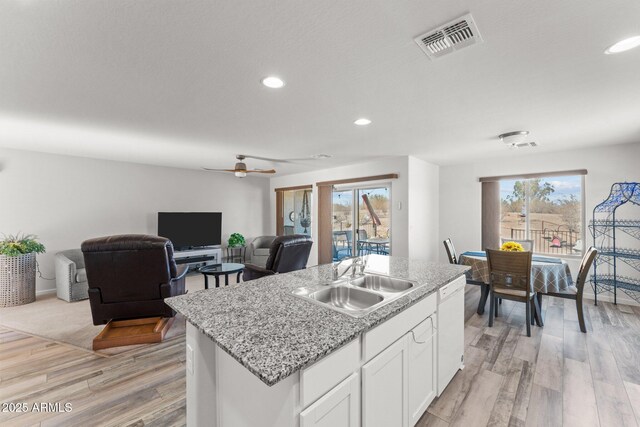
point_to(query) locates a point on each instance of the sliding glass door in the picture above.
(361, 221)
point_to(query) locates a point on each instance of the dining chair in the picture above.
(510, 278)
(451, 251)
(575, 292)
(527, 245)
(452, 255)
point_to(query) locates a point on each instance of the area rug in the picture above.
(70, 322)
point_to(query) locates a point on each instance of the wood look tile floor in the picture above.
(143, 387)
(559, 376)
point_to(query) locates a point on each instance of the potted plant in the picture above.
(18, 269)
(236, 240)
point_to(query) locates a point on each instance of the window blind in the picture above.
(490, 215)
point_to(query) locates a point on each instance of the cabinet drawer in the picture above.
(385, 334)
(325, 374)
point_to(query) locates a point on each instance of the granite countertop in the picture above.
(273, 333)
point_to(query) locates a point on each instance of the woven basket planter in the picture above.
(17, 279)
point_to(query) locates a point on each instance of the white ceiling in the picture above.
(178, 82)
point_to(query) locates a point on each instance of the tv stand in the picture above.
(198, 257)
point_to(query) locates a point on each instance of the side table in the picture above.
(218, 270)
(236, 254)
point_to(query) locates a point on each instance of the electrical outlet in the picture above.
(189, 359)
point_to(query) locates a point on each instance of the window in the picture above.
(293, 210)
(547, 211)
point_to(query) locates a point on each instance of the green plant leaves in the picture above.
(236, 239)
(16, 245)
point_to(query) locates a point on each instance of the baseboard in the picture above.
(622, 299)
(45, 292)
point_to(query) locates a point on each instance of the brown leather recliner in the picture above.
(287, 253)
(130, 276)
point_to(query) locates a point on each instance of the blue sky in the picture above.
(346, 197)
(564, 186)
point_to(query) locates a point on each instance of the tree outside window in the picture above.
(545, 210)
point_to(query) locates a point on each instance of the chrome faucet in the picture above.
(355, 262)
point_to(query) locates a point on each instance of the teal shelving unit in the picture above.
(606, 230)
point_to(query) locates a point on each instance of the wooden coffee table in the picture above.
(218, 270)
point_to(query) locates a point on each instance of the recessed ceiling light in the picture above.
(273, 82)
(362, 122)
(623, 45)
(321, 156)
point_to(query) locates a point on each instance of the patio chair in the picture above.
(340, 250)
(575, 292)
(363, 248)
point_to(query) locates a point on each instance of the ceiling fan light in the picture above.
(623, 45)
(240, 174)
(273, 82)
(512, 139)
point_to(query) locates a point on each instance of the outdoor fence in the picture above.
(543, 240)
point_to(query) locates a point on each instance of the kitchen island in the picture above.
(258, 355)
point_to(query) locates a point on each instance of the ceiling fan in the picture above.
(240, 170)
(268, 159)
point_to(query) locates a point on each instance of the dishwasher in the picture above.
(450, 331)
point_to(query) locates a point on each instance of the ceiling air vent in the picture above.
(526, 144)
(448, 38)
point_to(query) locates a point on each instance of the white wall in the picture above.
(423, 208)
(460, 198)
(399, 194)
(65, 200)
(414, 199)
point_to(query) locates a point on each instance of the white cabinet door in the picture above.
(340, 407)
(385, 387)
(422, 368)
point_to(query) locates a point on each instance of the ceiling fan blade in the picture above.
(267, 159)
(219, 170)
(261, 171)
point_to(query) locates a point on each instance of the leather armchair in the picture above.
(130, 276)
(287, 253)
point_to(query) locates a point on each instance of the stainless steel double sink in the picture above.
(357, 296)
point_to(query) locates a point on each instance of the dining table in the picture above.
(376, 245)
(548, 274)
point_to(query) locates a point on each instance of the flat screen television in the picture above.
(191, 229)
